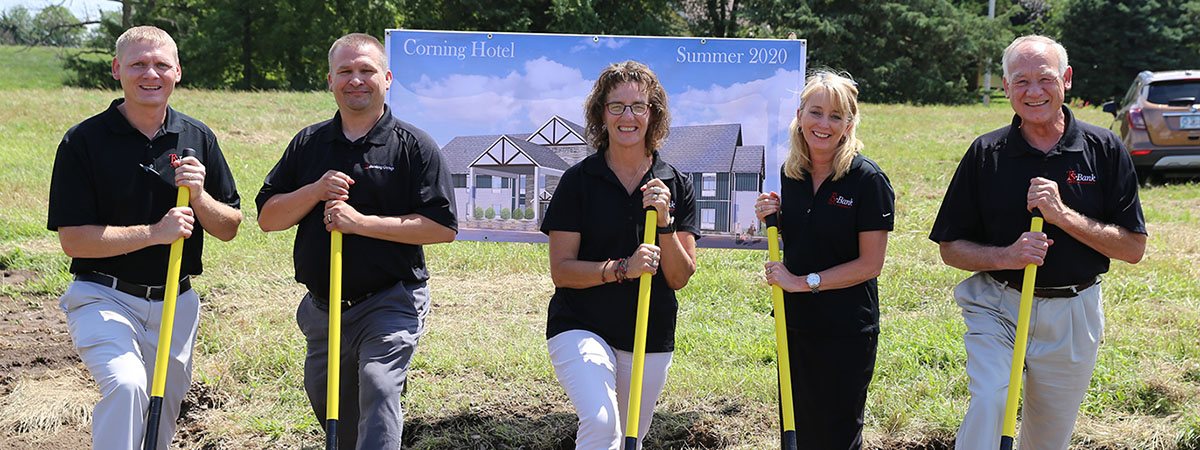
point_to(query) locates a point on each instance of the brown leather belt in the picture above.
(1052, 292)
(154, 293)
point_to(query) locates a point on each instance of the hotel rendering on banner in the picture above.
(507, 111)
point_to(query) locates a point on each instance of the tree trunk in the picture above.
(247, 48)
(127, 14)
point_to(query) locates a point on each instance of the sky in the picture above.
(80, 8)
(462, 84)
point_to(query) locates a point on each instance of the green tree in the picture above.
(920, 51)
(55, 26)
(16, 26)
(1109, 41)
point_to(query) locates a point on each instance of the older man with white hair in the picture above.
(1081, 179)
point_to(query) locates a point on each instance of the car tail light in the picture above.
(1140, 152)
(1136, 121)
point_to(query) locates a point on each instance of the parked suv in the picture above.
(1160, 121)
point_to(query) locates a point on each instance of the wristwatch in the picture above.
(814, 282)
(670, 228)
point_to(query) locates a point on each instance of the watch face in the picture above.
(813, 279)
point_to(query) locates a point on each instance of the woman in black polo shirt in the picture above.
(595, 222)
(837, 208)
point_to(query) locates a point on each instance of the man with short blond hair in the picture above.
(1081, 180)
(383, 184)
(112, 201)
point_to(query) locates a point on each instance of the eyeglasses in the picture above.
(618, 108)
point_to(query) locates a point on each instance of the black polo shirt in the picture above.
(397, 170)
(104, 174)
(820, 231)
(986, 200)
(591, 201)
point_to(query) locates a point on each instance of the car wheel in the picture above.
(1145, 176)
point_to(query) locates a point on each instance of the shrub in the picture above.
(505, 213)
(530, 213)
(478, 212)
(490, 213)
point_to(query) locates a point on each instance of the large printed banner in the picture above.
(507, 111)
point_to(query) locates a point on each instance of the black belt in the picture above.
(323, 303)
(134, 289)
(1052, 292)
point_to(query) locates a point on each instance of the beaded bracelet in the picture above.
(622, 267)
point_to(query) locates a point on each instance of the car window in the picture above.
(1131, 95)
(1164, 92)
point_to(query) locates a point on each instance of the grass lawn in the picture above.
(481, 378)
(31, 67)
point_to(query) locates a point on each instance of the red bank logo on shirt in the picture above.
(838, 200)
(1074, 177)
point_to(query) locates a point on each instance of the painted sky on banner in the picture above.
(470, 83)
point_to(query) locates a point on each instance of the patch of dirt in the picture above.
(36, 353)
(914, 444)
(33, 336)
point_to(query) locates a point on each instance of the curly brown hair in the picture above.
(659, 125)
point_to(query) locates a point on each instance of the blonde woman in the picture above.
(835, 210)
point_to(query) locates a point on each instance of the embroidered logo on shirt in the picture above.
(174, 158)
(378, 166)
(1074, 177)
(838, 200)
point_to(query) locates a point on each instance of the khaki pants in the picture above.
(116, 335)
(1064, 336)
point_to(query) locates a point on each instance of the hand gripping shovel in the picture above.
(1018, 360)
(781, 344)
(333, 372)
(639, 341)
(165, 327)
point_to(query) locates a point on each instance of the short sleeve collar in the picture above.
(377, 136)
(1072, 139)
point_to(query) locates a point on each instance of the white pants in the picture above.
(1064, 336)
(116, 335)
(596, 379)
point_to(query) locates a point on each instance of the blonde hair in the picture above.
(1011, 52)
(153, 35)
(359, 40)
(842, 92)
(629, 71)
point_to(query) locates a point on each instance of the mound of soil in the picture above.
(34, 344)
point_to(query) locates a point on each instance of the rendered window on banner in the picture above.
(508, 107)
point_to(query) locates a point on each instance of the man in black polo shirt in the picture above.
(382, 183)
(1082, 181)
(112, 201)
